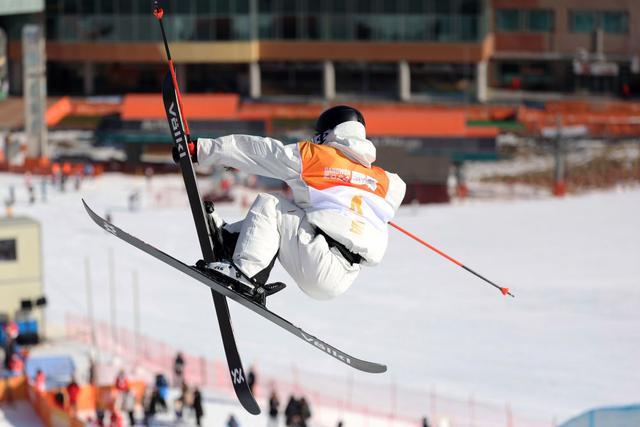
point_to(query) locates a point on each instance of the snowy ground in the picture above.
(18, 414)
(567, 342)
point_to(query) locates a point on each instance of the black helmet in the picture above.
(336, 115)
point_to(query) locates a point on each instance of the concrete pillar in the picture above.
(88, 78)
(482, 71)
(255, 83)
(404, 81)
(329, 80)
(181, 77)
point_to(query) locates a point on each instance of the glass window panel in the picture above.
(470, 7)
(266, 27)
(52, 27)
(288, 6)
(125, 7)
(266, 6)
(105, 6)
(339, 28)
(313, 27)
(443, 30)
(416, 6)
(362, 27)
(469, 28)
(338, 6)
(53, 6)
(203, 7)
(288, 27)
(87, 7)
(386, 27)
(390, 6)
(582, 21)
(241, 27)
(8, 250)
(222, 7)
(508, 20)
(70, 6)
(241, 6)
(222, 28)
(183, 7)
(204, 29)
(415, 28)
(445, 6)
(615, 22)
(540, 20)
(316, 6)
(364, 6)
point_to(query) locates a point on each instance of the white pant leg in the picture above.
(259, 237)
(275, 225)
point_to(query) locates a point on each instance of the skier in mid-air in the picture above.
(339, 214)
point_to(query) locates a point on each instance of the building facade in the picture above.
(576, 46)
(259, 48)
(20, 269)
(384, 49)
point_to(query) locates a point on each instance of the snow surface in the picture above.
(569, 341)
(18, 414)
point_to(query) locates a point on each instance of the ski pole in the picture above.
(505, 291)
(158, 12)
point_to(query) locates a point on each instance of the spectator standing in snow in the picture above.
(122, 388)
(425, 422)
(129, 406)
(40, 380)
(232, 422)
(73, 390)
(197, 406)
(305, 412)
(274, 404)
(178, 370)
(149, 404)
(43, 189)
(292, 413)
(163, 391)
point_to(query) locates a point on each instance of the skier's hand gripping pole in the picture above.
(505, 291)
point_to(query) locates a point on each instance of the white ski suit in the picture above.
(335, 190)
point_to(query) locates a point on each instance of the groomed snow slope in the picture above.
(569, 340)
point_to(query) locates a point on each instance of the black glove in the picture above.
(175, 153)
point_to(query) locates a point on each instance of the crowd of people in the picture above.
(129, 405)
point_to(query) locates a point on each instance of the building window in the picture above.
(540, 20)
(508, 20)
(8, 250)
(587, 21)
(615, 22)
(582, 21)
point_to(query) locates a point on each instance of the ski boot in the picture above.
(215, 228)
(240, 282)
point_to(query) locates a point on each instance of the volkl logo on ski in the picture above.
(326, 348)
(238, 377)
(110, 228)
(176, 129)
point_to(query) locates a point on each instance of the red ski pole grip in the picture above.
(158, 12)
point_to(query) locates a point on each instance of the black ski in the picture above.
(176, 125)
(219, 287)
